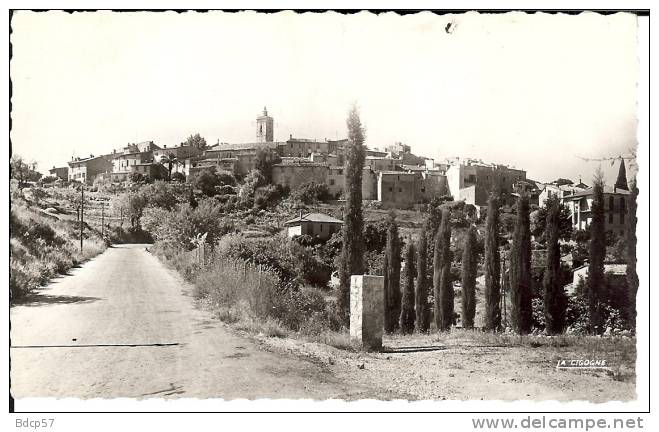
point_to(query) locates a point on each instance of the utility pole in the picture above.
(103, 219)
(503, 288)
(82, 217)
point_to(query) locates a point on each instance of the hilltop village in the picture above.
(393, 176)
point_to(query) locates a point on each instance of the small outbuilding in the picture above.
(316, 225)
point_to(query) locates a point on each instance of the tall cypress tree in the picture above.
(554, 297)
(520, 269)
(469, 270)
(437, 277)
(446, 295)
(421, 295)
(632, 276)
(597, 252)
(407, 315)
(492, 269)
(353, 246)
(392, 293)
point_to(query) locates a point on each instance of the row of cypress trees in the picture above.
(411, 311)
(399, 310)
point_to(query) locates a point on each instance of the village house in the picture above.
(616, 205)
(397, 189)
(136, 159)
(184, 156)
(293, 174)
(614, 274)
(240, 158)
(382, 163)
(316, 225)
(61, 173)
(560, 191)
(86, 170)
(472, 180)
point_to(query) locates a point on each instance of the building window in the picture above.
(610, 217)
(622, 218)
(400, 190)
(611, 203)
(622, 203)
(391, 189)
(340, 172)
(331, 182)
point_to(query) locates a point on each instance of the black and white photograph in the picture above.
(289, 210)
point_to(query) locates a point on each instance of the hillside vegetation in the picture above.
(42, 246)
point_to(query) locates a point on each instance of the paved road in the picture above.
(123, 325)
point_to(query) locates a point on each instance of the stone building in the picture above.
(397, 189)
(86, 170)
(294, 175)
(472, 180)
(61, 172)
(316, 225)
(184, 154)
(382, 163)
(304, 147)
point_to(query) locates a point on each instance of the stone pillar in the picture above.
(367, 311)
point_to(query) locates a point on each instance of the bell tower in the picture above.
(264, 127)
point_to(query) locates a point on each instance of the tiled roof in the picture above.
(313, 217)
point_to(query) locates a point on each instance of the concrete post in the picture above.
(367, 311)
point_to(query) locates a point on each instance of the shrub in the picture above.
(206, 182)
(311, 193)
(178, 177)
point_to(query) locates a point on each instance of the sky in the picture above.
(532, 91)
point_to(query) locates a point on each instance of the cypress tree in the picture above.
(407, 315)
(436, 277)
(352, 250)
(469, 269)
(632, 276)
(446, 295)
(520, 269)
(492, 269)
(554, 297)
(392, 293)
(421, 294)
(597, 252)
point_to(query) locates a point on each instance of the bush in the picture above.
(178, 177)
(206, 182)
(181, 226)
(311, 193)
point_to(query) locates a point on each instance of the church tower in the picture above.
(264, 127)
(621, 181)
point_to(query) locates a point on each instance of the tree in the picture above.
(469, 269)
(264, 160)
(520, 269)
(160, 195)
(443, 285)
(392, 294)
(632, 276)
(196, 141)
(352, 250)
(23, 171)
(192, 201)
(555, 300)
(407, 315)
(169, 160)
(421, 308)
(492, 270)
(596, 255)
(206, 182)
